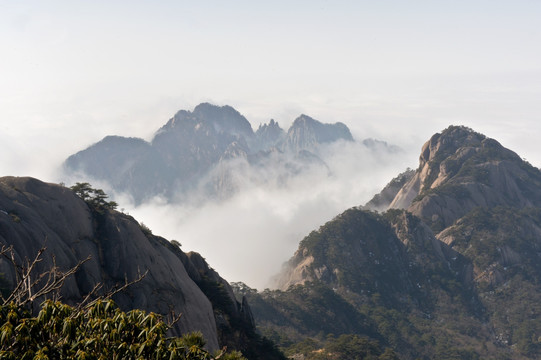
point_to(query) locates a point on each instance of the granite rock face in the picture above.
(34, 214)
(381, 201)
(460, 170)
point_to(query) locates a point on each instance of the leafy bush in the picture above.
(97, 331)
(145, 229)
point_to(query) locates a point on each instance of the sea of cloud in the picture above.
(248, 235)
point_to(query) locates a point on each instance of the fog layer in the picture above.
(248, 236)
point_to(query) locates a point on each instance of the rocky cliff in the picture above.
(381, 201)
(34, 214)
(460, 170)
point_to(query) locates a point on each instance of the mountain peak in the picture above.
(221, 118)
(446, 143)
(307, 133)
(303, 118)
(269, 134)
(460, 169)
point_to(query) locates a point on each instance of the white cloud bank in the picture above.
(250, 235)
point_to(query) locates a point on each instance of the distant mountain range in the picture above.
(205, 150)
(451, 269)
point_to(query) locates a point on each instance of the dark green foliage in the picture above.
(455, 353)
(299, 320)
(501, 236)
(234, 329)
(217, 294)
(346, 346)
(402, 294)
(145, 229)
(526, 338)
(355, 347)
(307, 347)
(307, 310)
(95, 198)
(360, 251)
(504, 245)
(99, 331)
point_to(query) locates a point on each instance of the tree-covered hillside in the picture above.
(449, 270)
(389, 290)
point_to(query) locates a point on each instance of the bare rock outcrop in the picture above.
(437, 155)
(382, 201)
(295, 272)
(460, 170)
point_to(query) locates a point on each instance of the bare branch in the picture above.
(222, 353)
(5, 250)
(127, 284)
(22, 274)
(88, 296)
(55, 280)
(111, 292)
(173, 318)
(30, 287)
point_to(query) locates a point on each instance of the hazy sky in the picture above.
(72, 72)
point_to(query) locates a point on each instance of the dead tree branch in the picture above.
(30, 286)
(110, 293)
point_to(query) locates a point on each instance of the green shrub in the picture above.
(98, 331)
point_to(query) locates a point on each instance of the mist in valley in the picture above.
(248, 234)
